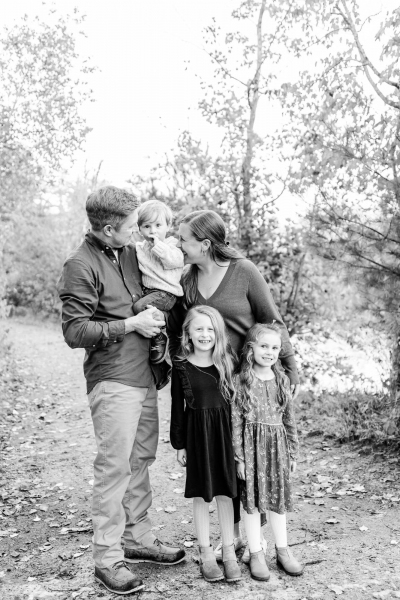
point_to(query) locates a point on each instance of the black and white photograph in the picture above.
(199, 300)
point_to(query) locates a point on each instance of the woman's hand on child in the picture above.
(181, 457)
(293, 466)
(240, 469)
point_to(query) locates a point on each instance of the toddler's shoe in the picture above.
(238, 543)
(286, 561)
(258, 566)
(158, 348)
(208, 565)
(246, 553)
(231, 567)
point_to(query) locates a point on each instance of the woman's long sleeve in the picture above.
(237, 432)
(289, 423)
(177, 426)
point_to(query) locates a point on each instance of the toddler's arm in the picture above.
(170, 256)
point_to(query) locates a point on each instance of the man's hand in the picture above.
(147, 323)
(240, 469)
(181, 457)
(295, 388)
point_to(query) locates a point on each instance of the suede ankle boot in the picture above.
(286, 561)
(231, 567)
(258, 566)
(208, 564)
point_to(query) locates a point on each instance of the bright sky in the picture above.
(146, 92)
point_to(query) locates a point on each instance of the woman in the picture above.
(219, 276)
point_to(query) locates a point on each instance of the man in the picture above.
(98, 286)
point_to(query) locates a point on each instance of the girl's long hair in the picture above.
(245, 371)
(223, 356)
(205, 225)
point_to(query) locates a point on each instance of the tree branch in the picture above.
(367, 65)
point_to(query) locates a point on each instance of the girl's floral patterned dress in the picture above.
(265, 438)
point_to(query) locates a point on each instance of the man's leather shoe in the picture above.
(118, 579)
(158, 348)
(156, 553)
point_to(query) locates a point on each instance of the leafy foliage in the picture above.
(43, 86)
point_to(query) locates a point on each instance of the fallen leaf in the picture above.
(358, 488)
(170, 509)
(394, 543)
(84, 546)
(336, 588)
(332, 521)
(158, 508)
(363, 528)
(335, 508)
(175, 475)
(178, 491)
(186, 522)
(188, 544)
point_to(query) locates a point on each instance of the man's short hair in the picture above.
(110, 205)
(150, 210)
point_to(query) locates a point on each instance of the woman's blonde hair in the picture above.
(245, 370)
(223, 356)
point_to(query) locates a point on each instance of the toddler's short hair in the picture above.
(151, 209)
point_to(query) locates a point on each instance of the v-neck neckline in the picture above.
(222, 284)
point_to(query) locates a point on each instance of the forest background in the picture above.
(313, 202)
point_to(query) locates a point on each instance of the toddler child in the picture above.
(161, 265)
(202, 389)
(266, 445)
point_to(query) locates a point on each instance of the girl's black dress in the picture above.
(201, 423)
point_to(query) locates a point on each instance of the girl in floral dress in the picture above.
(266, 445)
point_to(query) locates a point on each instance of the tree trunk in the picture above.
(253, 95)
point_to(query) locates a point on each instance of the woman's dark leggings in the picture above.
(236, 508)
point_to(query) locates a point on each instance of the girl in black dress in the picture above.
(202, 388)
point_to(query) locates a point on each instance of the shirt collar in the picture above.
(98, 243)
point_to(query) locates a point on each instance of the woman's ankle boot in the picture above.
(286, 561)
(208, 564)
(258, 566)
(231, 567)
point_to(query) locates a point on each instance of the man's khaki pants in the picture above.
(125, 421)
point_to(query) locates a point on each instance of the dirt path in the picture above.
(346, 526)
